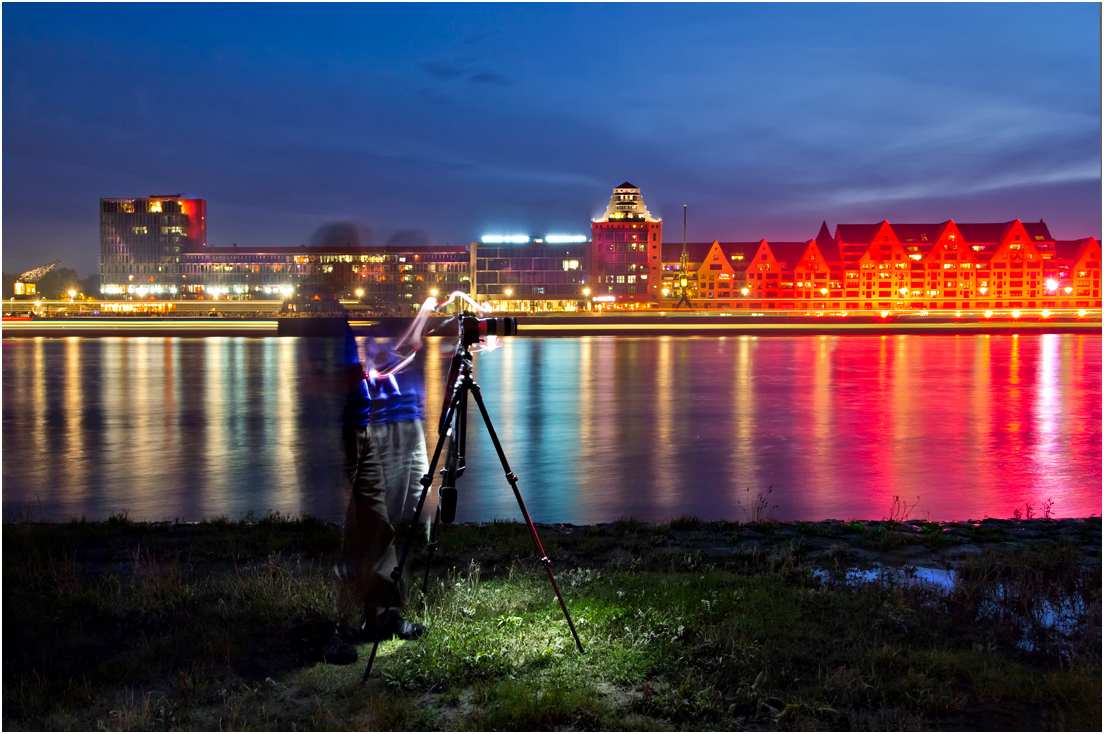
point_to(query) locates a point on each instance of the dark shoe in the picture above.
(395, 627)
(337, 651)
(405, 630)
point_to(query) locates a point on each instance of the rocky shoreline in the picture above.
(916, 543)
(493, 546)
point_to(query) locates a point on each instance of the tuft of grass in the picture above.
(758, 511)
(686, 522)
(900, 510)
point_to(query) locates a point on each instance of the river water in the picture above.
(598, 428)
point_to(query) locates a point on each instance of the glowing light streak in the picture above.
(560, 239)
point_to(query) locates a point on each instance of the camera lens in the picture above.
(505, 326)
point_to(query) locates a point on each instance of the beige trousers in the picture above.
(368, 551)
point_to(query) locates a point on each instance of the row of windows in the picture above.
(140, 206)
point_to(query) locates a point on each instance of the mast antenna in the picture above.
(684, 265)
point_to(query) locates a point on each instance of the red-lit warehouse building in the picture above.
(883, 266)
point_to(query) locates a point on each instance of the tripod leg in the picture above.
(512, 479)
(431, 547)
(396, 574)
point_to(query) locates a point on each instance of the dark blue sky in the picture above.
(456, 120)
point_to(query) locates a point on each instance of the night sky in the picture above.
(439, 123)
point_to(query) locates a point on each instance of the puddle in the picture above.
(1055, 622)
(940, 578)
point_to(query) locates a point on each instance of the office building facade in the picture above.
(143, 242)
(532, 276)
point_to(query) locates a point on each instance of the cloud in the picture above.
(443, 71)
(450, 71)
(490, 78)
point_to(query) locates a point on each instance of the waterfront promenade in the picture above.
(258, 319)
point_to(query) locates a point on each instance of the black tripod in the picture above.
(453, 424)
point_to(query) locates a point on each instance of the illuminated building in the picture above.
(1075, 271)
(387, 277)
(883, 266)
(625, 260)
(143, 242)
(157, 248)
(522, 273)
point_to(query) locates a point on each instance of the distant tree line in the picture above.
(57, 283)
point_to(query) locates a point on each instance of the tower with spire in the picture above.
(625, 250)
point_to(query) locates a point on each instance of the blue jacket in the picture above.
(358, 401)
(398, 397)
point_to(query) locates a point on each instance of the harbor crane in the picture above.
(25, 284)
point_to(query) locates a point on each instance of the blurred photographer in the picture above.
(368, 552)
(398, 409)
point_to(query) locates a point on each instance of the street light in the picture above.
(360, 292)
(433, 292)
(665, 292)
(72, 294)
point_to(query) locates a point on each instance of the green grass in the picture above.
(203, 627)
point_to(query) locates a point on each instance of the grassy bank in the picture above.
(123, 625)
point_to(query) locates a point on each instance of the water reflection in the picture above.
(596, 427)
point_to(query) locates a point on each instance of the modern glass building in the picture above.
(532, 276)
(143, 243)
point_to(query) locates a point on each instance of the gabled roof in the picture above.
(789, 253)
(976, 233)
(671, 252)
(828, 249)
(994, 232)
(1072, 250)
(919, 234)
(627, 185)
(858, 234)
(824, 235)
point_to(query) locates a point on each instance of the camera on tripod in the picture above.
(473, 329)
(452, 429)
